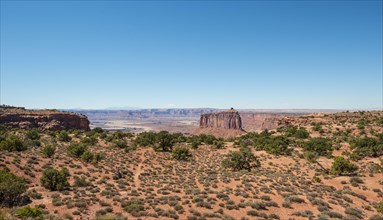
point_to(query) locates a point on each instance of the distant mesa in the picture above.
(224, 124)
(229, 119)
(48, 119)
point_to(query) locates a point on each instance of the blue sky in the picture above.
(245, 54)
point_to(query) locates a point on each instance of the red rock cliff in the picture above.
(42, 119)
(227, 120)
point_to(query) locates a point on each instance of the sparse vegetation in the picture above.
(137, 175)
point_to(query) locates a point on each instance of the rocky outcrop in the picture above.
(227, 120)
(42, 119)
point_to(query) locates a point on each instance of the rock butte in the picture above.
(42, 119)
(229, 119)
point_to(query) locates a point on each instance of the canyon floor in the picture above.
(141, 183)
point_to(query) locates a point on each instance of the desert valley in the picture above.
(282, 166)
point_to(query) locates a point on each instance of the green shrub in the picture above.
(179, 137)
(181, 153)
(361, 124)
(317, 179)
(33, 134)
(294, 131)
(145, 139)
(342, 166)
(302, 133)
(119, 143)
(379, 207)
(87, 156)
(53, 179)
(80, 182)
(98, 157)
(120, 135)
(164, 141)
(356, 181)
(368, 146)
(320, 146)
(379, 121)
(98, 130)
(92, 140)
(30, 213)
(317, 127)
(218, 144)
(11, 188)
(195, 143)
(64, 136)
(12, 143)
(296, 199)
(242, 160)
(354, 212)
(77, 149)
(277, 145)
(310, 156)
(134, 206)
(207, 139)
(48, 151)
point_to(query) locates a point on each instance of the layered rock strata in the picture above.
(227, 120)
(42, 119)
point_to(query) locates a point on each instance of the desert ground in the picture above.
(139, 176)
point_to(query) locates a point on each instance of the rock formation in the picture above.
(227, 120)
(42, 119)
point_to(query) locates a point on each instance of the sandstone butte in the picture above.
(229, 119)
(53, 120)
(221, 124)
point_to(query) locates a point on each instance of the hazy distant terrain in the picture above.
(182, 120)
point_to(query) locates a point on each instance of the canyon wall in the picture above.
(42, 119)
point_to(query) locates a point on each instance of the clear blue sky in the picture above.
(245, 54)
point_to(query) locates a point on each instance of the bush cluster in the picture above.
(181, 153)
(55, 180)
(294, 131)
(80, 150)
(241, 160)
(342, 166)
(30, 213)
(11, 188)
(319, 146)
(366, 147)
(277, 145)
(48, 151)
(64, 136)
(33, 134)
(12, 143)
